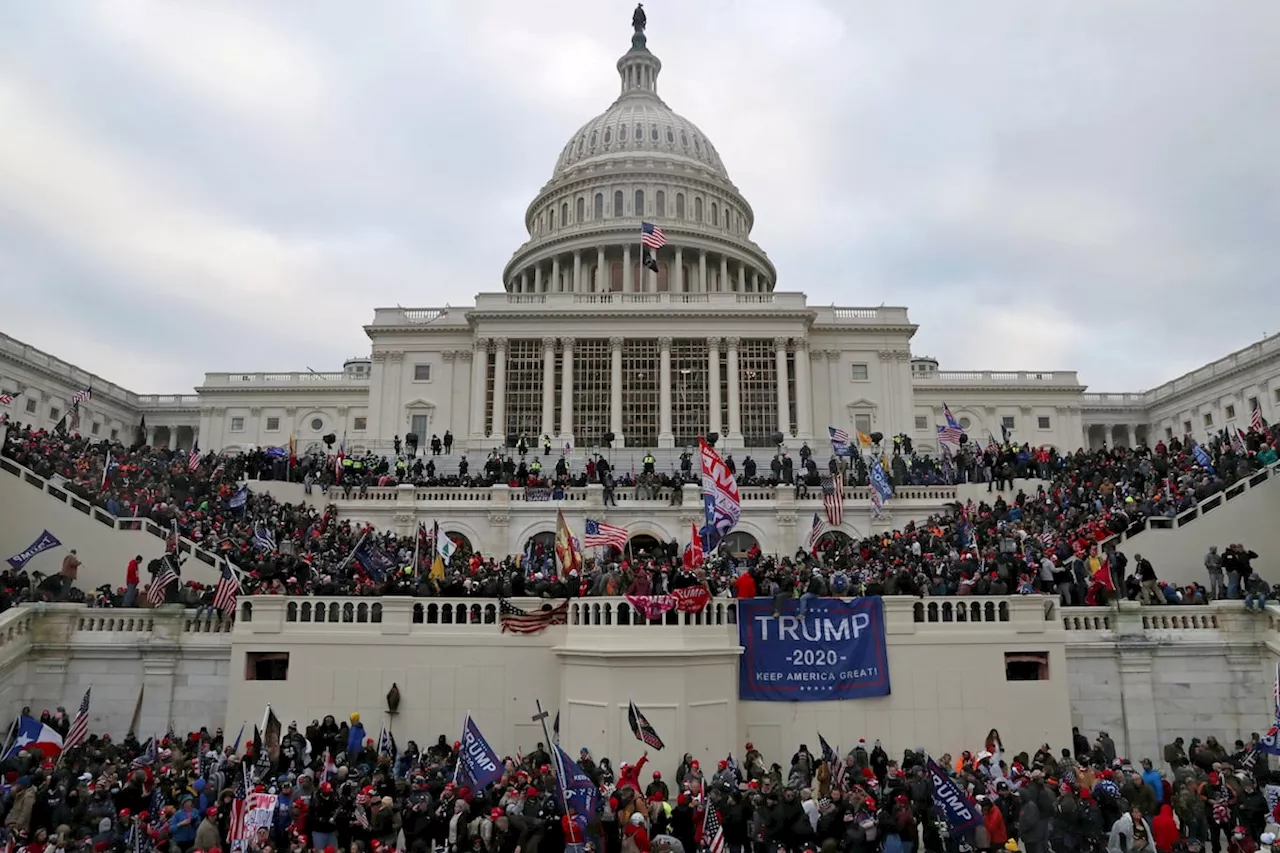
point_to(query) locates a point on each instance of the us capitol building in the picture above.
(589, 345)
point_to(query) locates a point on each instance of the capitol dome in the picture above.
(639, 164)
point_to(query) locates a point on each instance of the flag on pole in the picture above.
(815, 533)
(598, 534)
(79, 731)
(193, 458)
(566, 547)
(651, 236)
(952, 431)
(82, 396)
(437, 560)
(157, 591)
(641, 728)
(840, 442)
(693, 555)
(227, 590)
(1255, 420)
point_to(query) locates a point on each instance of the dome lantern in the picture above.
(638, 68)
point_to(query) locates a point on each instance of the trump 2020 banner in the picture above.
(44, 542)
(836, 652)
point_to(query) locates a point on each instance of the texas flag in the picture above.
(33, 734)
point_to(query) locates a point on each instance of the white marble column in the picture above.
(1128, 432)
(601, 285)
(626, 269)
(677, 283)
(735, 405)
(816, 362)
(755, 277)
(742, 278)
(713, 384)
(665, 437)
(804, 399)
(524, 282)
(577, 272)
(615, 391)
(702, 271)
(784, 410)
(479, 375)
(537, 279)
(500, 387)
(173, 438)
(555, 284)
(723, 285)
(548, 386)
(839, 415)
(566, 390)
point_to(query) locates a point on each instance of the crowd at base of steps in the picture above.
(1046, 542)
(329, 786)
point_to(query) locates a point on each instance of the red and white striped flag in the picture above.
(227, 590)
(156, 591)
(79, 731)
(1255, 419)
(6, 399)
(833, 500)
(193, 459)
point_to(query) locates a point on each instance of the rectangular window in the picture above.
(1276, 394)
(860, 372)
(418, 426)
(862, 423)
(273, 424)
(1230, 412)
(422, 373)
(1168, 433)
(359, 424)
(237, 424)
(54, 413)
(115, 433)
(31, 406)
(1186, 427)
(1026, 666)
(1253, 404)
(95, 428)
(1208, 419)
(1043, 421)
(266, 666)
(922, 423)
(1007, 422)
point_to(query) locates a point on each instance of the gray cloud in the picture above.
(236, 186)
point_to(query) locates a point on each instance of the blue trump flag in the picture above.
(44, 542)
(239, 499)
(959, 809)
(1202, 456)
(575, 787)
(837, 651)
(376, 564)
(478, 765)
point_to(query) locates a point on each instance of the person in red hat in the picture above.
(658, 786)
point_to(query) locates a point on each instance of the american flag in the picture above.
(712, 831)
(816, 532)
(227, 590)
(193, 460)
(833, 501)
(264, 539)
(1255, 420)
(79, 731)
(952, 431)
(6, 399)
(166, 576)
(651, 236)
(236, 830)
(840, 442)
(519, 621)
(82, 396)
(600, 535)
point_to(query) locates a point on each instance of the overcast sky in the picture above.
(236, 185)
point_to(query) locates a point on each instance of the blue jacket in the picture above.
(184, 834)
(1155, 782)
(355, 740)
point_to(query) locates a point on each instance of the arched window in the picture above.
(551, 217)
(715, 215)
(599, 206)
(697, 209)
(617, 204)
(581, 209)
(564, 213)
(679, 205)
(639, 202)
(660, 204)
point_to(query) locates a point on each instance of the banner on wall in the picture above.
(837, 651)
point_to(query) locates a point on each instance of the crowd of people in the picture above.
(331, 787)
(1047, 541)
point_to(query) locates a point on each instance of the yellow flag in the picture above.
(864, 439)
(437, 568)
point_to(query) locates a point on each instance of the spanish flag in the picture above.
(566, 548)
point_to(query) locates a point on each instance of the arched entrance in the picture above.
(540, 547)
(739, 543)
(834, 539)
(643, 543)
(465, 548)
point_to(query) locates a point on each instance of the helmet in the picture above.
(657, 774)
(355, 716)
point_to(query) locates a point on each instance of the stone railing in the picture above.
(1210, 373)
(1171, 622)
(1209, 504)
(305, 378)
(1025, 377)
(100, 515)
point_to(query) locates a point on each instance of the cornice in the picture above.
(602, 312)
(280, 389)
(995, 386)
